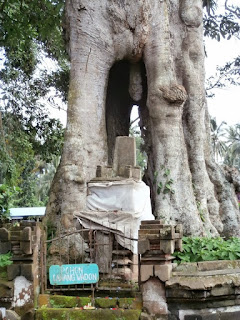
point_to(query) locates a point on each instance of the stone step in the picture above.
(67, 302)
(69, 314)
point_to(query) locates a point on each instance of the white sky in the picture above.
(225, 106)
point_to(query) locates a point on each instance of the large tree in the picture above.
(150, 53)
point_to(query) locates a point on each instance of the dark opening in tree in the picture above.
(148, 53)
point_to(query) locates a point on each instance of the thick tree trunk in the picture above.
(148, 52)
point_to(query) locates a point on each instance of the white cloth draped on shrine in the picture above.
(117, 206)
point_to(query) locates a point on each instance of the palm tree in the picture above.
(218, 135)
(232, 157)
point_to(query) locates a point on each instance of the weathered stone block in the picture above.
(4, 234)
(107, 172)
(143, 246)
(237, 291)
(179, 230)
(146, 271)
(26, 247)
(128, 172)
(12, 315)
(27, 271)
(163, 272)
(215, 265)
(200, 294)
(5, 247)
(148, 236)
(29, 315)
(230, 316)
(237, 302)
(220, 304)
(222, 291)
(178, 293)
(154, 298)
(15, 235)
(145, 316)
(124, 153)
(167, 246)
(187, 267)
(136, 173)
(123, 272)
(43, 300)
(146, 232)
(178, 245)
(13, 271)
(6, 289)
(167, 232)
(26, 234)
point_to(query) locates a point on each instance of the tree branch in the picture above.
(236, 12)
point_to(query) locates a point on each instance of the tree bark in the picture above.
(148, 52)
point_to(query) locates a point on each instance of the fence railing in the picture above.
(118, 266)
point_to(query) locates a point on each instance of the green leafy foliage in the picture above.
(208, 249)
(164, 186)
(31, 41)
(5, 259)
(28, 152)
(27, 25)
(6, 196)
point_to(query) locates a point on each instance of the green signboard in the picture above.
(67, 274)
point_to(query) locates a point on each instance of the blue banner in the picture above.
(73, 274)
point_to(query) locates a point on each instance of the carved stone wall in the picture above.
(19, 282)
(207, 290)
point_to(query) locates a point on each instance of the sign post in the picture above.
(70, 274)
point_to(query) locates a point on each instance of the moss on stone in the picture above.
(43, 300)
(126, 303)
(105, 314)
(63, 302)
(5, 289)
(106, 302)
(74, 314)
(27, 307)
(84, 301)
(52, 313)
(3, 273)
